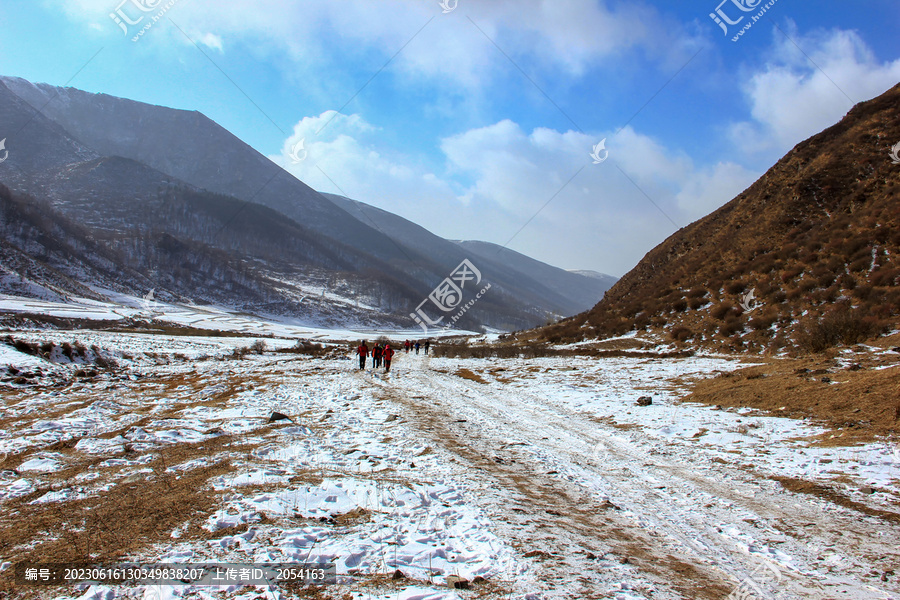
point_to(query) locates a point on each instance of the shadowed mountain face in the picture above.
(186, 208)
(511, 274)
(809, 255)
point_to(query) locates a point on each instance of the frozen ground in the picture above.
(543, 476)
(210, 318)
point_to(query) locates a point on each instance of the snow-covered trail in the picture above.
(604, 510)
(541, 477)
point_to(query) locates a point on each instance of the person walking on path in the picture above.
(377, 351)
(427, 345)
(387, 355)
(363, 352)
(417, 346)
(406, 345)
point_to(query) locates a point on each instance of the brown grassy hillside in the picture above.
(817, 239)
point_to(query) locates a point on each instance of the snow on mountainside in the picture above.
(192, 223)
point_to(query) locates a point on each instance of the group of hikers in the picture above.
(383, 353)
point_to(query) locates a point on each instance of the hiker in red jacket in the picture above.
(387, 354)
(377, 351)
(363, 352)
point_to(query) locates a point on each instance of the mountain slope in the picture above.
(581, 289)
(816, 240)
(194, 149)
(195, 211)
(155, 231)
(549, 290)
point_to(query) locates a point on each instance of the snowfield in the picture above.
(532, 479)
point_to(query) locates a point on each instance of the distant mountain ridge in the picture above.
(188, 209)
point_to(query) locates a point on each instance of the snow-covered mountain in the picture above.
(174, 202)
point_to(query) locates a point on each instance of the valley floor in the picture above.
(541, 477)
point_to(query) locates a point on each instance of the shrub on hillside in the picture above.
(763, 321)
(681, 334)
(736, 287)
(791, 273)
(730, 327)
(720, 311)
(696, 303)
(842, 325)
(884, 276)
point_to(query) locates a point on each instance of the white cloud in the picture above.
(211, 40)
(791, 99)
(566, 34)
(598, 218)
(344, 155)
(707, 189)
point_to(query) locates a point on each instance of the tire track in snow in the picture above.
(562, 521)
(678, 550)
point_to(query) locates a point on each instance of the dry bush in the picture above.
(736, 287)
(721, 311)
(681, 334)
(763, 321)
(842, 325)
(697, 303)
(730, 327)
(307, 347)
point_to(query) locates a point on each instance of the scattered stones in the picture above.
(867, 490)
(398, 574)
(855, 367)
(457, 583)
(537, 554)
(391, 418)
(277, 416)
(645, 401)
(478, 580)
(826, 380)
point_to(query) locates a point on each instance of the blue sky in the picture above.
(475, 120)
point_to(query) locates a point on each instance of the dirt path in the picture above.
(593, 508)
